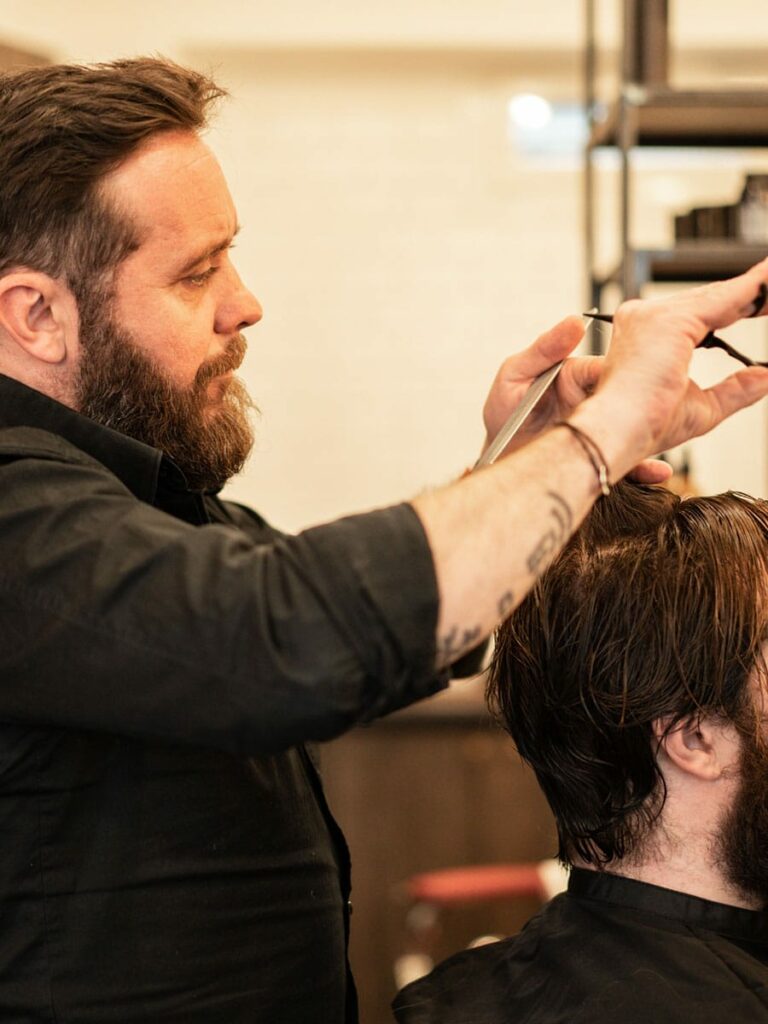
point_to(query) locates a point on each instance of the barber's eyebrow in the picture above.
(207, 253)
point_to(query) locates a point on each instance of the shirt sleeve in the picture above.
(116, 616)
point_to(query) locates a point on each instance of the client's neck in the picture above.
(682, 870)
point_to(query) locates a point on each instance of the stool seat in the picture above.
(475, 883)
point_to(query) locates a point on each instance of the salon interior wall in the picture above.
(399, 242)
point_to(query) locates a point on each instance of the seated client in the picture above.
(632, 680)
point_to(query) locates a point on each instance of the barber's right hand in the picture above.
(645, 401)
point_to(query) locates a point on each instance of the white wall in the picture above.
(90, 29)
(399, 257)
(86, 29)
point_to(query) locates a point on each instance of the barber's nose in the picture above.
(252, 311)
(241, 309)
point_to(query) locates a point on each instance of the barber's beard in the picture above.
(742, 843)
(209, 438)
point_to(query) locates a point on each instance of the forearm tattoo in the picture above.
(457, 642)
(560, 521)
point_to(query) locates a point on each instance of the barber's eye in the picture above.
(198, 280)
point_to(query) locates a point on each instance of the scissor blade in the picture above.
(531, 398)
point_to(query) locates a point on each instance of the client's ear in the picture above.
(703, 747)
(38, 315)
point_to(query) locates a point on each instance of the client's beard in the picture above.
(742, 843)
(119, 387)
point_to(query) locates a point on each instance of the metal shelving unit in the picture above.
(647, 112)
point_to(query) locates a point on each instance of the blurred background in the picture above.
(418, 201)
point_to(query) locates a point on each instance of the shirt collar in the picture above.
(734, 922)
(137, 465)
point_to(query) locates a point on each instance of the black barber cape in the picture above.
(166, 852)
(609, 951)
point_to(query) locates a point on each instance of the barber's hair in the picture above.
(655, 610)
(62, 129)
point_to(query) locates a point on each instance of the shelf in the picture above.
(692, 262)
(673, 117)
(708, 261)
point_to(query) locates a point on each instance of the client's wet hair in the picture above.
(655, 610)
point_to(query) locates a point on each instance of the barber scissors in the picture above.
(538, 388)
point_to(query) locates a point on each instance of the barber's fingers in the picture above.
(550, 347)
(579, 377)
(743, 388)
(724, 302)
(651, 471)
(703, 409)
(737, 391)
(706, 409)
(699, 310)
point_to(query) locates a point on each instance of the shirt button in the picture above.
(349, 907)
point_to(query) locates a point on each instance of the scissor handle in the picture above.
(712, 341)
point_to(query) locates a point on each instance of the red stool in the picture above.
(426, 894)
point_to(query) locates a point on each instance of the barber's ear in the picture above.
(39, 315)
(705, 748)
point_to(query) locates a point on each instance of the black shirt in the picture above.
(167, 853)
(609, 951)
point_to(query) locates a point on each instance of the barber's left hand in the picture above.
(577, 379)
